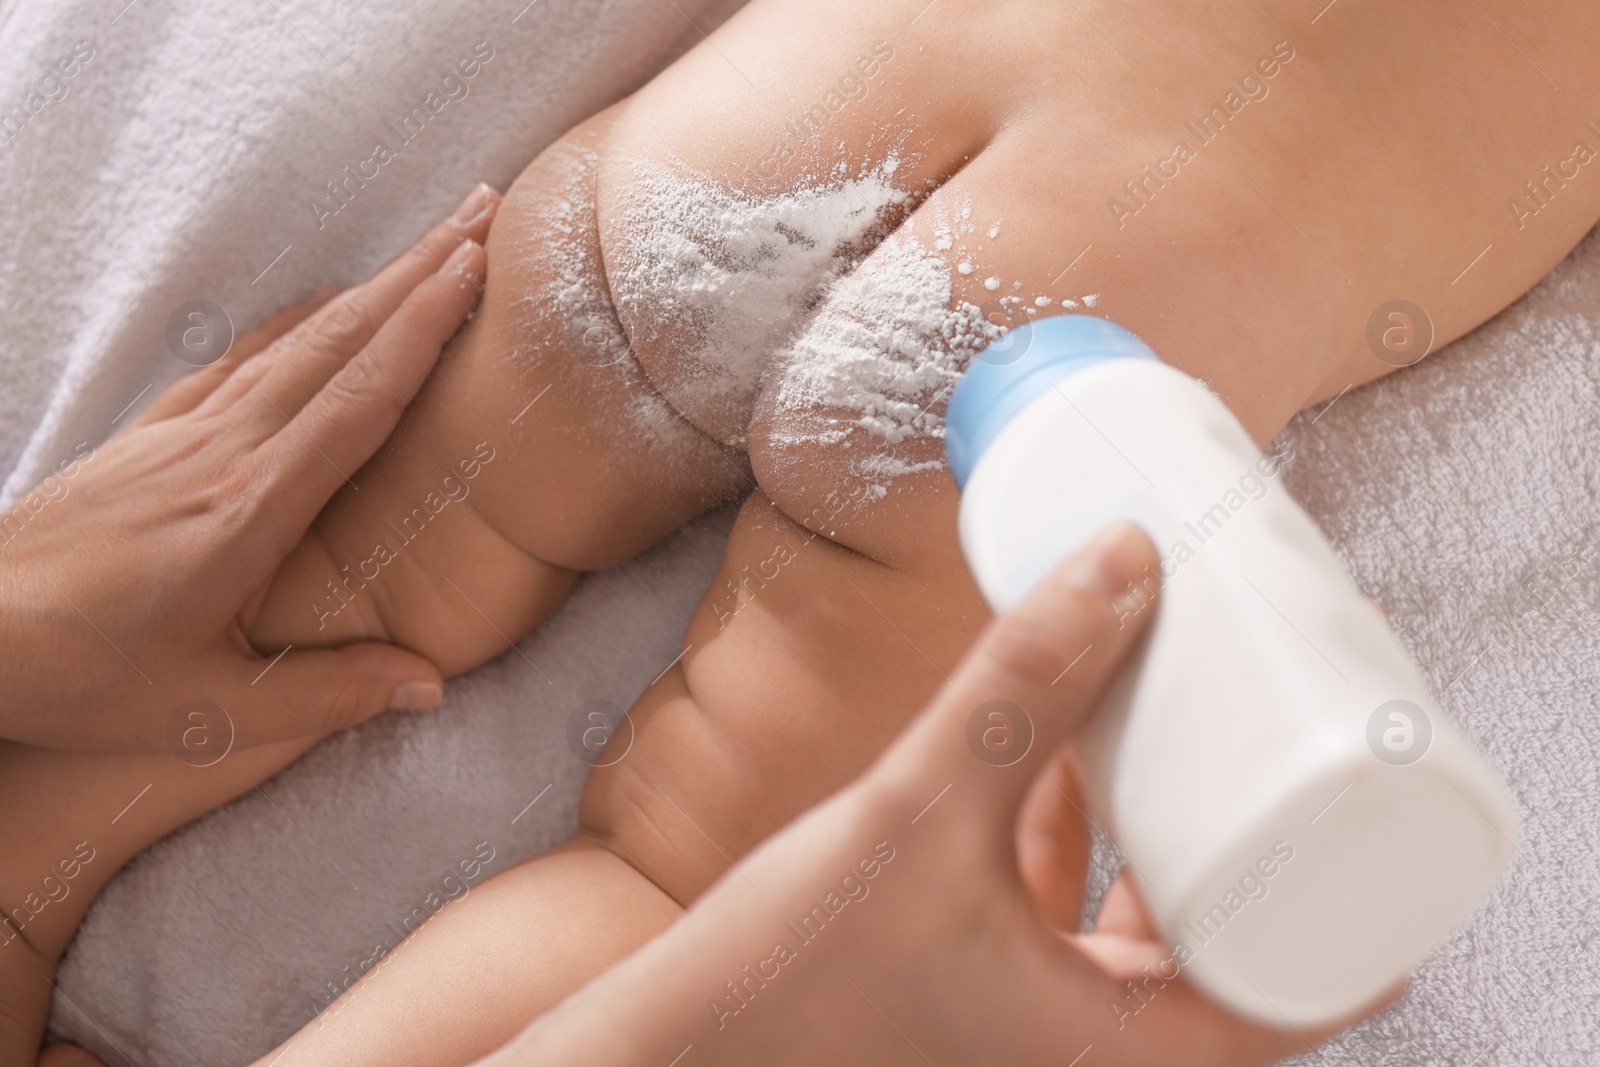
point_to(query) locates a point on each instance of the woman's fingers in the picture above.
(1034, 676)
(298, 368)
(348, 418)
(1053, 844)
(317, 691)
(185, 393)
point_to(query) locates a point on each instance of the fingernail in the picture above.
(1109, 563)
(416, 696)
(473, 207)
(457, 263)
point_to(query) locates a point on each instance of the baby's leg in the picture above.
(483, 967)
(68, 822)
(539, 449)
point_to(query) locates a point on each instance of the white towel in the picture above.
(182, 163)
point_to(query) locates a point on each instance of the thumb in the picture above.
(315, 692)
(1036, 673)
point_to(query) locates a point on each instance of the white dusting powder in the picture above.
(1091, 300)
(779, 295)
(568, 288)
(722, 279)
(731, 297)
(884, 346)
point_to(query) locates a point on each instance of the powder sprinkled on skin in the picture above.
(786, 303)
(883, 347)
(568, 289)
(722, 279)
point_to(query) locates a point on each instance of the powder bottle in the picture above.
(1301, 820)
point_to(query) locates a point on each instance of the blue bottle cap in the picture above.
(1017, 367)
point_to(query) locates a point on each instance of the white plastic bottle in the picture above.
(1302, 822)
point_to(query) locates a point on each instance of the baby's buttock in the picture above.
(738, 303)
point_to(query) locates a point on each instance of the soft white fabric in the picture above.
(185, 158)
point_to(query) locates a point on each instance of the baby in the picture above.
(759, 277)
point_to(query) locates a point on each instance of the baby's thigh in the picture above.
(488, 963)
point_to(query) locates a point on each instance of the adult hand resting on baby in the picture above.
(943, 884)
(129, 596)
